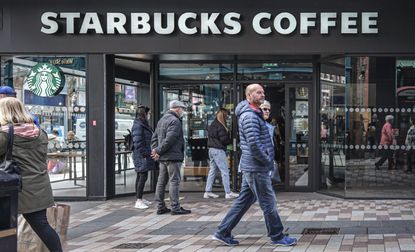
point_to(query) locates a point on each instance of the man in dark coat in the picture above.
(257, 162)
(167, 146)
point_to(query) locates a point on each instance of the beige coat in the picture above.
(30, 153)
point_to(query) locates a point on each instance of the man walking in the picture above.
(168, 148)
(256, 163)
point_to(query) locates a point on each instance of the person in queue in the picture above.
(142, 133)
(30, 154)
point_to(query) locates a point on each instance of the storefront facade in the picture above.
(331, 71)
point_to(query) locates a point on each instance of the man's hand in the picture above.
(154, 155)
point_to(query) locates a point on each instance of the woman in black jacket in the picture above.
(218, 139)
(143, 162)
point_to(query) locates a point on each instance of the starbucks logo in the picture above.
(45, 80)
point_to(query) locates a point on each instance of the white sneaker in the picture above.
(140, 204)
(208, 195)
(147, 202)
(231, 195)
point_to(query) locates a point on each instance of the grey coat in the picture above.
(168, 139)
(30, 153)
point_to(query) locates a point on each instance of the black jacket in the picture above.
(142, 133)
(218, 137)
(168, 139)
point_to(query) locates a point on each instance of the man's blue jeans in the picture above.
(255, 185)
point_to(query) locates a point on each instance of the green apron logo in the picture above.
(45, 80)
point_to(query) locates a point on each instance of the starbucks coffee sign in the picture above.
(45, 80)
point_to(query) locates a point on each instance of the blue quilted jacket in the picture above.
(255, 142)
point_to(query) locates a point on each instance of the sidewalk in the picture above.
(362, 225)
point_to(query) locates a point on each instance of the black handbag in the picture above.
(9, 170)
(275, 175)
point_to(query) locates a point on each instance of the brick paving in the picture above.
(364, 225)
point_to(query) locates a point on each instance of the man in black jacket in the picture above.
(167, 145)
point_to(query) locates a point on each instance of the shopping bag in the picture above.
(58, 218)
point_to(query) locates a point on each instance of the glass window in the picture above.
(53, 89)
(275, 71)
(332, 126)
(366, 127)
(203, 102)
(188, 71)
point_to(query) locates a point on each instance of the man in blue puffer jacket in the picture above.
(256, 163)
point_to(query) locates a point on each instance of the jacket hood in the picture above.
(242, 107)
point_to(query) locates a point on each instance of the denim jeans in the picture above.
(218, 161)
(39, 223)
(169, 172)
(255, 185)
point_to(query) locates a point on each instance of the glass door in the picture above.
(203, 101)
(297, 136)
(131, 89)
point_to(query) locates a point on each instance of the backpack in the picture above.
(128, 141)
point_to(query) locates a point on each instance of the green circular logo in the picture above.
(45, 80)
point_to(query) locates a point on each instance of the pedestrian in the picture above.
(256, 162)
(272, 130)
(218, 139)
(168, 148)
(30, 153)
(386, 140)
(143, 162)
(410, 142)
(6, 91)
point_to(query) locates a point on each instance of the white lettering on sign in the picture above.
(327, 20)
(232, 25)
(215, 23)
(139, 23)
(158, 23)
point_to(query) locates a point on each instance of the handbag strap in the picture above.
(10, 137)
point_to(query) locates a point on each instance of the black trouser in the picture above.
(409, 158)
(386, 154)
(39, 223)
(140, 181)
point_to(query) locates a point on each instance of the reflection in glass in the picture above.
(61, 116)
(298, 136)
(188, 71)
(203, 101)
(275, 71)
(370, 121)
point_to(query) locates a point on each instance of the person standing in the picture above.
(168, 148)
(218, 139)
(142, 133)
(266, 111)
(410, 142)
(386, 141)
(30, 153)
(256, 162)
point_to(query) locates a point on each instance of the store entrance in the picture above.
(290, 117)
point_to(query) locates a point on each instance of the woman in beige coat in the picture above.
(30, 153)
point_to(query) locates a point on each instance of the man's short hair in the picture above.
(249, 89)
